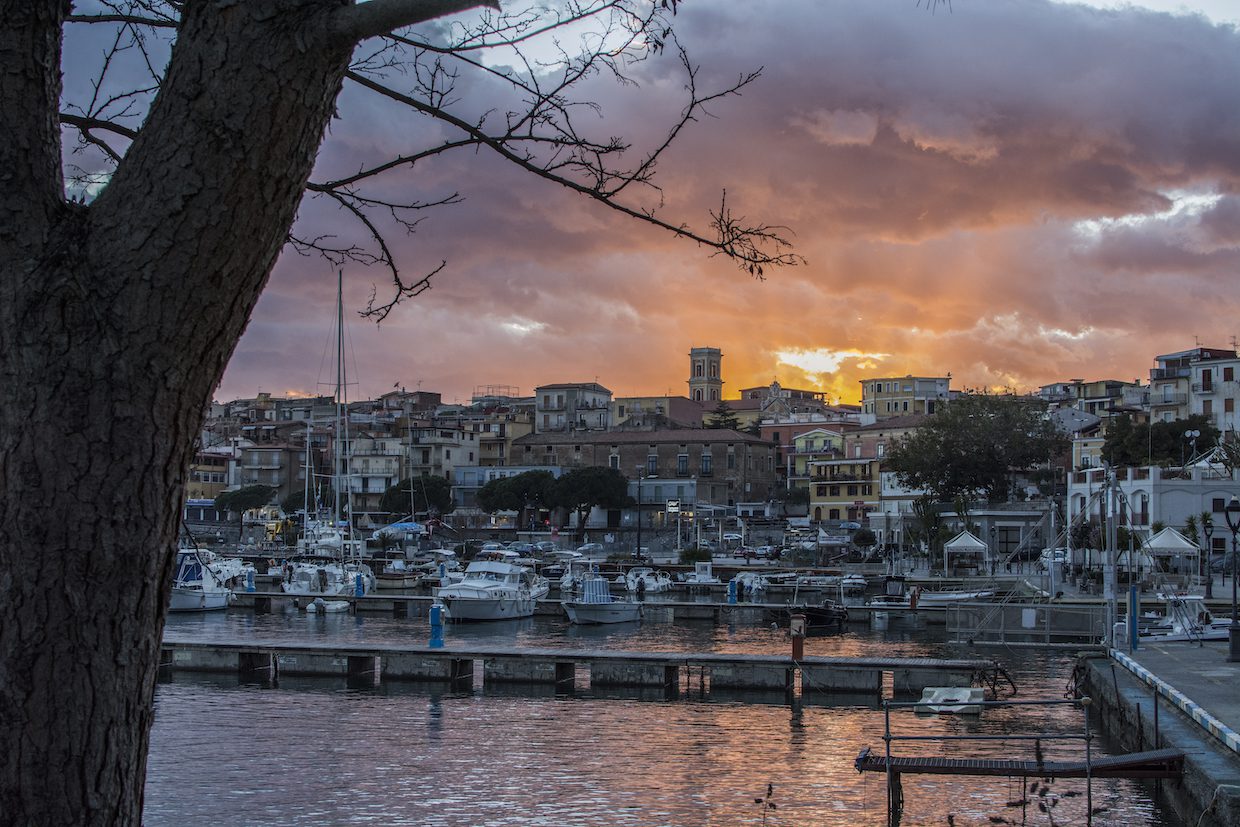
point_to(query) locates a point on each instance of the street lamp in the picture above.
(638, 553)
(1190, 437)
(1207, 528)
(1232, 513)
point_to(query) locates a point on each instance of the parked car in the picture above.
(591, 549)
(544, 546)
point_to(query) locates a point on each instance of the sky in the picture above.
(1012, 192)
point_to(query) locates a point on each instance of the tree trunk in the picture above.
(116, 322)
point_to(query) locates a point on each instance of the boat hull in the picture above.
(596, 613)
(487, 608)
(198, 600)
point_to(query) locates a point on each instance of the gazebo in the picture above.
(1171, 547)
(966, 544)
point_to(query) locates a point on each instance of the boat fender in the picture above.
(913, 597)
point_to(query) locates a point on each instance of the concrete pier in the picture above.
(1182, 696)
(559, 667)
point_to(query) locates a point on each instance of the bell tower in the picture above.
(705, 376)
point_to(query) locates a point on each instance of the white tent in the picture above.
(1170, 544)
(966, 543)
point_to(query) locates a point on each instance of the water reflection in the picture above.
(318, 751)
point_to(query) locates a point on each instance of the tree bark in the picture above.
(116, 322)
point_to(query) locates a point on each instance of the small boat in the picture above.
(824, 615)
(953, 700)
(853, 584)
(489, 590)
(946, 597)
(701, 577)
(197, 587)
(597, 605)
(327, 579)
(751, 583)
(396, 576)
(320, 606)
(643, 580)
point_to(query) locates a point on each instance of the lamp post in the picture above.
(638, 553)
(1207, 529)
(1190, 437)
(1232, 513)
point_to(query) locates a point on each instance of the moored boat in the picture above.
(489, 590)
(197, 587)
(596, 605)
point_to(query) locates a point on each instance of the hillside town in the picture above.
(759, 456)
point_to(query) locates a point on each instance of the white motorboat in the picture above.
(644, 580)
(197, 587)
(947, 597)
(597, 605)
(576, 572)
(700, 577)
(398, 575)
(1185, 619)
(489, 590)
(751, 583)
(326, 579)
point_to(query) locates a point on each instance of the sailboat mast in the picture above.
(342, 423)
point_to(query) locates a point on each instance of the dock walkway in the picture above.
(390, 661)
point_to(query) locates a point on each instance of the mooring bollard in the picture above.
(358, 588)
(436, 626)
(249, 580)
(732, 591)
(796, 625)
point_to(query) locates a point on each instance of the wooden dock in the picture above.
(1159, 763)
(668, 671)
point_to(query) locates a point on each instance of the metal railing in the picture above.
(1046, 624)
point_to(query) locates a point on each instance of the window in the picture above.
(620, 411)
(1217, 505)
(833, 514)
(652, 465)
(1229, 374)
(1207, 379)
(731, 461)
(1229, 405)
(821, 490)
(697, 368)
(880, 449)
(714, 371)
(707, 464)
(613, 461)
(852, 490)
(697, 394)
(682, 464)
(835, 491)
(714, 395)
(1207, 407)
(576, 449)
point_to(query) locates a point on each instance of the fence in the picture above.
(1041, 623)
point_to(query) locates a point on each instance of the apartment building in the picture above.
(1172, 379)
(904, 395)
(1214, 390)
(571, 406)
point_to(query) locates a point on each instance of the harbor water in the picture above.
(318, 751)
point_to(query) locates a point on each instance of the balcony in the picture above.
(1168, 373)
(1176, 399)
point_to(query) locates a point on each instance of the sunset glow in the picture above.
(1015, 192)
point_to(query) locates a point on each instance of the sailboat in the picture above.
(345, 574)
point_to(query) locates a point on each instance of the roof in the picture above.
(895, 423)
(666, 435)
(964, 540)
(589, 386)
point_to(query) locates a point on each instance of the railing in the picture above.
(1010, 622)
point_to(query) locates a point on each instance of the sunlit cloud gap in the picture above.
(823, 360)
(1183, 204)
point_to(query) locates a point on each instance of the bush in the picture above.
(688, 556)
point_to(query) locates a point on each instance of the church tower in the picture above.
(705, 378)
